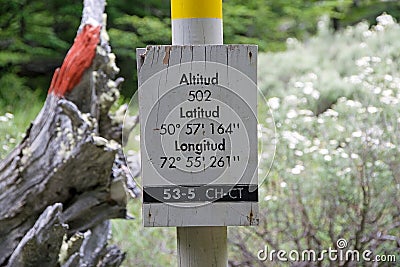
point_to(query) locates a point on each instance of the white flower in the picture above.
(340, 128)
(291, 99)
(312, 76)
(379, 28)
(291, 42)
(269, 197)
(353, 104)
(376, 59)
(299, 84)
(343, 172)
(333, 142)
(390, 145)
(293, 137)
(298, 153)
(297, 169)
(327, 158)
(311, 149)
(308, 119)
(356, 134)
(389, 100)
(388, 78)
(377, 90)
(291, 114)
(308, 88)
(368, 70)
(283, 184)
(385, 20)
(307, 142)
(315, 94)
(355, 79)
(274, 103)
(306, 112)
(331, 113)
(387, 92)
(372, 109)
(9, 115)
(324, 151)
(366, 34)
(363, 62)
(361, 110)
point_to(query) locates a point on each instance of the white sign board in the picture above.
(198, 123)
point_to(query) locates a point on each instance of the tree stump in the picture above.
(68, 176)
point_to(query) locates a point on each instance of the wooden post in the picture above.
(202, 246)
(199, 22)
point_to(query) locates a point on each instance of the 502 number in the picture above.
(199, 95)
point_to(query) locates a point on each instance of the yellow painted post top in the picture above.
(191, 9)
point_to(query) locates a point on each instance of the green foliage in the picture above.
(335, 173)
(34, 38)
(147, 247)
(132, 32)
(355, 11)
(18, 106)
(29, 29)
(35, 35)
(11, 58)
(268, 23)
(335, 101)
(134, 24)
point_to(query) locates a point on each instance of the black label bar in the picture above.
(200, 193)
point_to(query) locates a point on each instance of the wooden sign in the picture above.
(198, 122)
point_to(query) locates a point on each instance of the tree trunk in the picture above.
(62, 183)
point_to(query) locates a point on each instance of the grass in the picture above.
(15, 119)
(147, 247)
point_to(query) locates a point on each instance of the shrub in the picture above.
(336, 172)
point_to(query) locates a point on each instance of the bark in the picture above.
(68, 177)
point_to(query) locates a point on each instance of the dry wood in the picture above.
(68, 177)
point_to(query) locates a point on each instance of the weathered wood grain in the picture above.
(68, 175)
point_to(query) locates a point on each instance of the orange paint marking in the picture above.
(78, 59)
